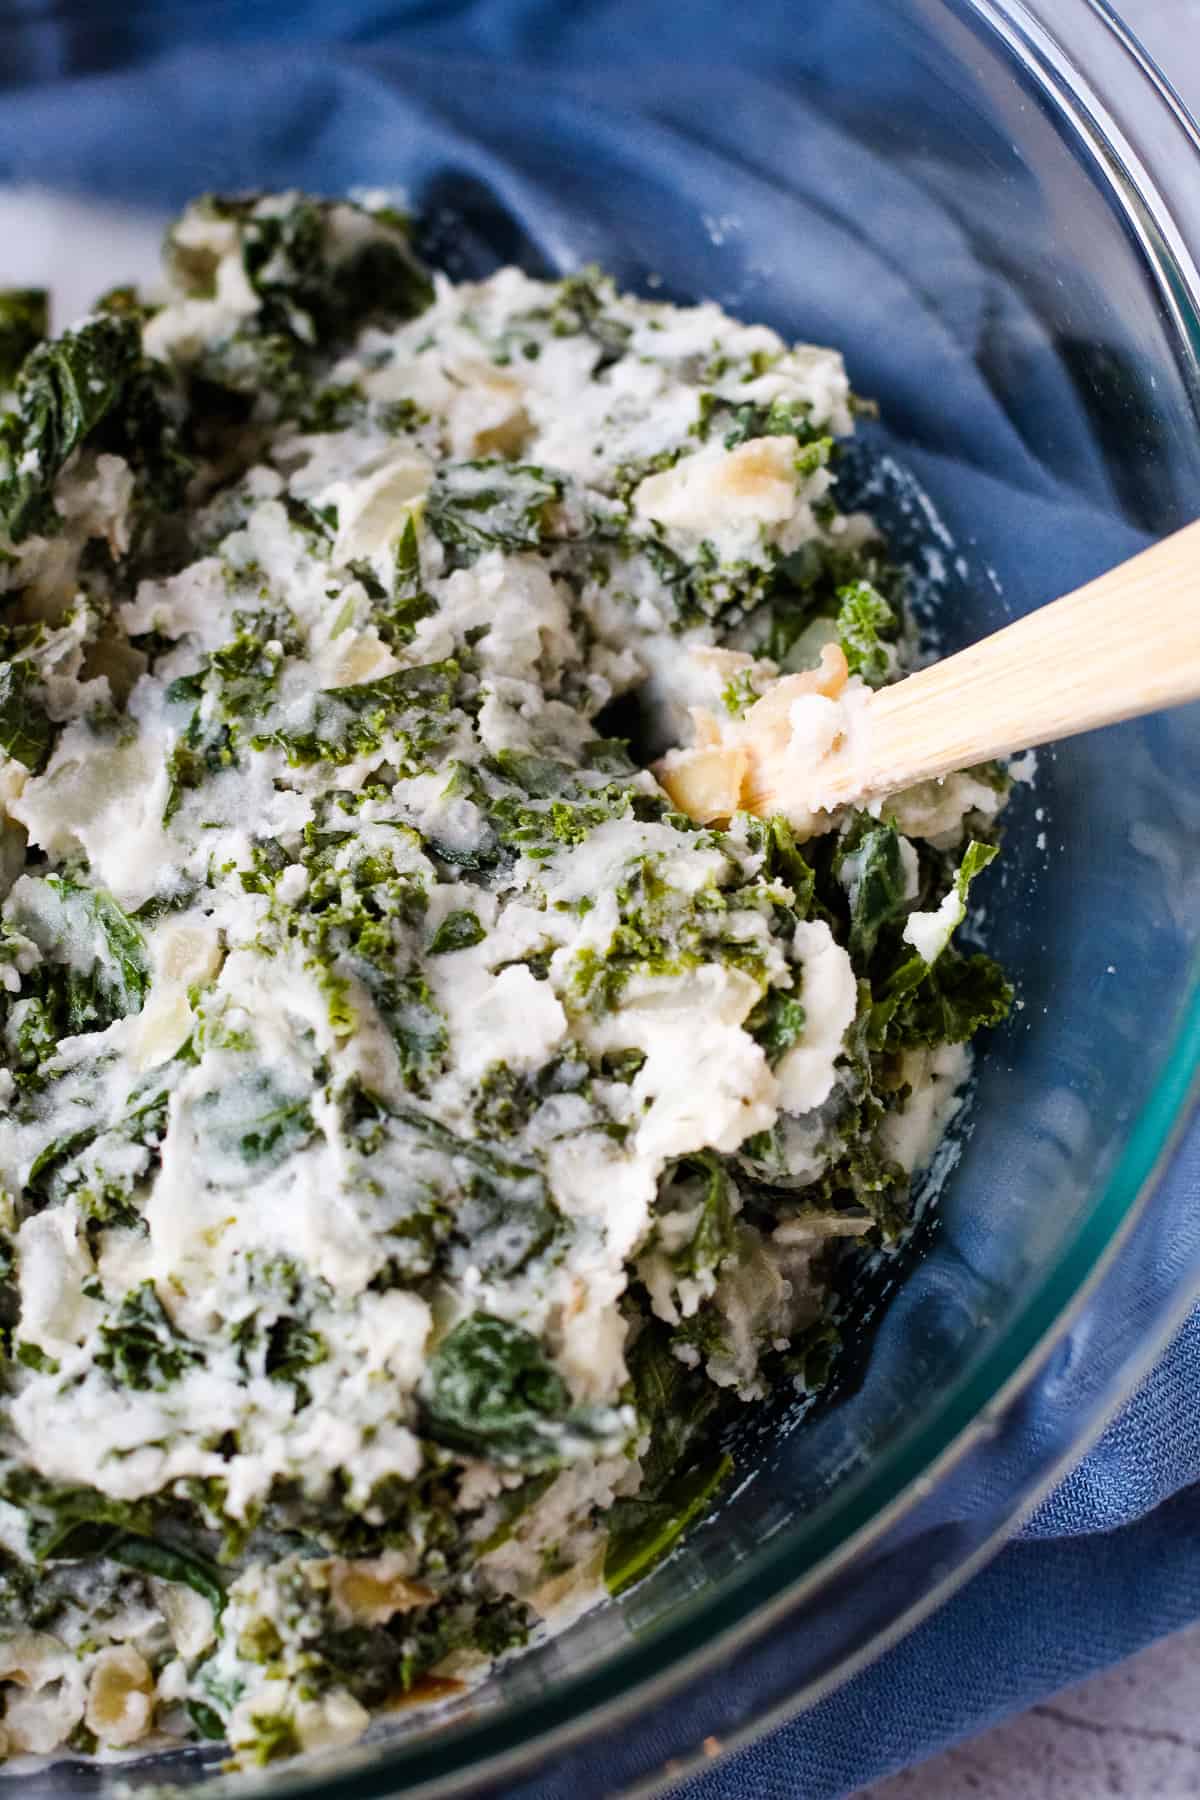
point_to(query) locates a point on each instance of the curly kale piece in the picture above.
(25, 729)
(869, 864)
(24, 322)
(734, 423)
(942, 997)
(681, 1469)
(411, 707)
(141, 1347)
(398, 615)
(457, 931)
(491, 1390)
(490, 505)
(61, 1166)
(322, 269)
(714, 1228)
(93, 968)
(64, 389)
(865, 623)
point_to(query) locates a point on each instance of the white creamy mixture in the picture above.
(417, 1135)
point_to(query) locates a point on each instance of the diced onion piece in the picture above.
(370, 1590)
(120, 1696)
(704, 783)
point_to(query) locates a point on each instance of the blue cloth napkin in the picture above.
(665, 140)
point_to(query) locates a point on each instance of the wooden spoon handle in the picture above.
(1127, 643)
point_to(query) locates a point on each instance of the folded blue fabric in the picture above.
(655, 151)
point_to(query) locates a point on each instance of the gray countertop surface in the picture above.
(1132, 1733)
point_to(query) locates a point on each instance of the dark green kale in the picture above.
(865, 625)
(358, 922)
(536, 805)
(507, 1099)
(72, 1525)
(869, 864)
(706, 590)
(776, 1022)
(207, 1721)
(410, 709)
(681, 1470)
(103, 975)
(457, 931)
(322, 270)
(24, 322)
(380, 1664)
(811, 582)
(580, 310)
(141, 1347)
(490, 505)
(660, 932)
(293, 1347)
(231, 691)
(65, 388)
(948, 998)
(704, 1185)
(722, 417)
(782, 859)
(334, 407)
(958, 997)
(169, 1563)
(276, 1134)
(490, 1390)
(503, 1213)
(280, 1346)
(428, 1636)
(151, 429)
(396, 616)
(61, 1167)
(25, 729)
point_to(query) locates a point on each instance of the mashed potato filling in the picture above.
(425, 1118)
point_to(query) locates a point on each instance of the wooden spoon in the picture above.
(1125, 644)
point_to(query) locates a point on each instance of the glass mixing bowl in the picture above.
(1035, 184)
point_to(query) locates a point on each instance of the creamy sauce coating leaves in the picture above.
(416, 1136)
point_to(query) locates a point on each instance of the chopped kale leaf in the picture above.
(870, 866)
(25, 729)
(865, 623)
(490, 1390)
(409, 709)
(64, 389)
(490, 505)
(457, 931)
(681, 1471)
(141, 1347)
(24, 322)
